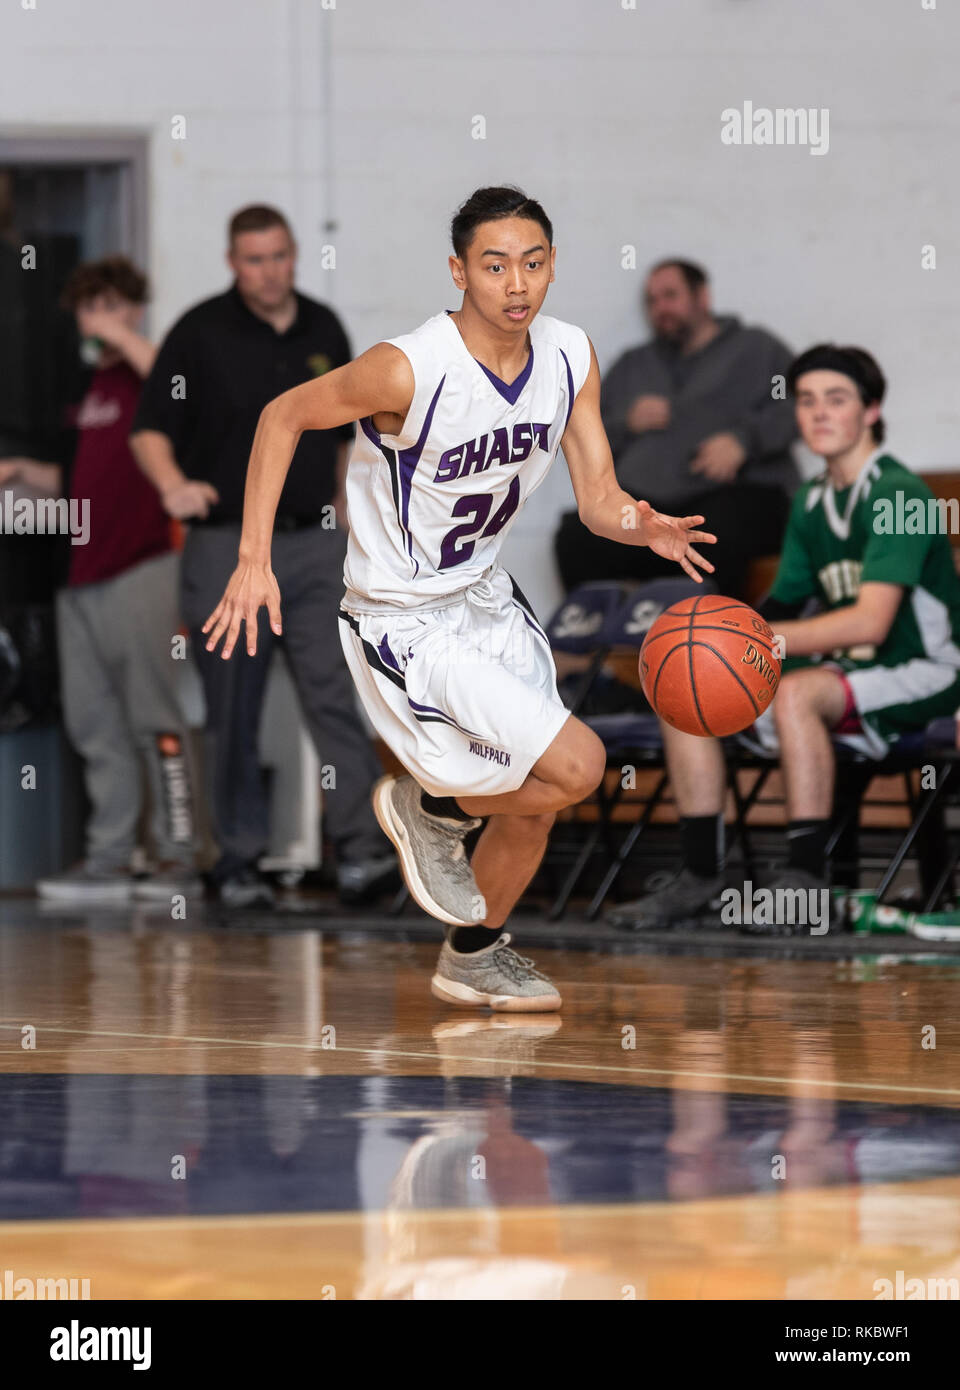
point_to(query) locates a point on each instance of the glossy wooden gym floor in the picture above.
(230, 1110)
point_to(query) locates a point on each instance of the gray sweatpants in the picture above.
(308, 565)
(118, 678)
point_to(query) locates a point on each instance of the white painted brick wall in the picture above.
(362, 114)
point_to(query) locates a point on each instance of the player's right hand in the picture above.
(251, 587)
(671, 537)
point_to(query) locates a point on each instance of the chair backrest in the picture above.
(942, 733)
(642, 607)
(583, 622)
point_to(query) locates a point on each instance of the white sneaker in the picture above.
(84, 883)
(935, 926)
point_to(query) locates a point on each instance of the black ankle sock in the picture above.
(807, 846)
(442, 806)
(466, 939)
(702, 845)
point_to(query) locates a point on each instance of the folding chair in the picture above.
(934, 746)
(582, 626)
(941, 742)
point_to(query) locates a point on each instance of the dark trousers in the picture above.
(308, 565)
(747, 520)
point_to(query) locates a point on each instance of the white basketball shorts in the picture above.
(464, 694)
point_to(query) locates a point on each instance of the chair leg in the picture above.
(562, 900)
(945, 878)
(623, 853)
(606, 805)
(933, 849)
(908, 788)
(926, 806)
(601, 831)
(739, 827)
(743, 806)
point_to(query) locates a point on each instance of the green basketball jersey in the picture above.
(888, 528)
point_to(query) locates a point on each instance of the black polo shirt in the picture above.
(232, 363)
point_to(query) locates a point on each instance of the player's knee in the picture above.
(576, 764)
(589, 767)
(795, 692)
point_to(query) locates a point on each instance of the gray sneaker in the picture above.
(431, 853)
(684, 898)
(494, 978)
(86, 883)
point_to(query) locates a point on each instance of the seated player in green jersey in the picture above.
(867, 540)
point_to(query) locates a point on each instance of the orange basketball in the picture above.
(708, 665)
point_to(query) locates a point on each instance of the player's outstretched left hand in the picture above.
(250, 588)
(673, 537)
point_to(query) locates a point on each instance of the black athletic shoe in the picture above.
(363, 880)
(245, 888)
(684, 899)
(791, 903)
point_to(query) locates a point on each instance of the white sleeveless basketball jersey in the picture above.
(430, 508)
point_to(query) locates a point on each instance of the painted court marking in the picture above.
(500, 1061)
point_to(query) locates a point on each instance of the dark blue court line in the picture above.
(94, 1145)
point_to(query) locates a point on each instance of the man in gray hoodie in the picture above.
(698, 422)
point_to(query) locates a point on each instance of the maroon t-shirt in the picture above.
(127, 522)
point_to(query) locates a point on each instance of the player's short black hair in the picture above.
(490, 204)
(695, 275)
(854, 362)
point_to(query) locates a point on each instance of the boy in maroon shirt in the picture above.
(118, 616)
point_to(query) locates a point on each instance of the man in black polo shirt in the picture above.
(218, 367)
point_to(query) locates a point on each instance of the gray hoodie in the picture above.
(724, 387)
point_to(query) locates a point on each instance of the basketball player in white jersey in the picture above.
(459, 422)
